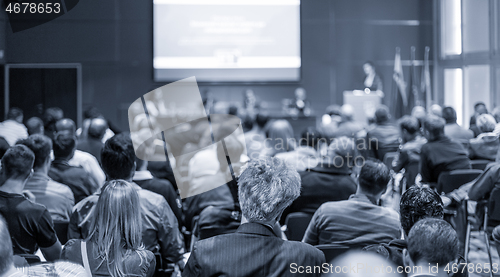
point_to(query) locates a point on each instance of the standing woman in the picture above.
(372, 79)
(114, 246)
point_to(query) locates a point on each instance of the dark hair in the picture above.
(41, 147)
(6, 253)
(50, 117)
(261, 119)
(374, 177)
(64, 144)
(118, 156)
(233, 110)
(34, 125)
(4, 145)
(18, 161)
(478, 104)
(14, 113)
(449, 115)
(382, 114)
(91, 112)
(433, 241)
(410, 124)
(310, 137)
(435, 125)
(419, 202)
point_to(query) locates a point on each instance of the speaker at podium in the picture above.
(364, 102)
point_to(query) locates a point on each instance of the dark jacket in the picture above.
(76, 178)
(383, 139)
(409, 159)
(254, 250)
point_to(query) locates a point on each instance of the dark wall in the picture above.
(113, 42)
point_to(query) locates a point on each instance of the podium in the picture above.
(364, 103)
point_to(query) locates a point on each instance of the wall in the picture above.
(113, 42)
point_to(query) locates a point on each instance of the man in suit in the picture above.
(265, 189)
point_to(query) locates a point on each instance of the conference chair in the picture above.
(389, 158)
(296, 225)
(451, 180)
(332, 251)
(480, 164)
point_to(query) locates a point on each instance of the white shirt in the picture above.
(12, 131)
(89, 164)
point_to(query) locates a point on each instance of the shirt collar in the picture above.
(361, 198)
(142, 175)
(256, 228)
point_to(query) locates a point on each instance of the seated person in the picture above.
(479, 109)
(481, 188)
(348, 126)
(305, 155)
(160, 230)
(440, 153)
(265, 189)
(329, 181)
(416, 203)
(453, 130)
(359, 221)
(409, 152)
(30, 224)
(115, 236)
(432, 248)
(76, 178)
(56, 197)
(487, 143)
(34, 126)
(384, 137)
(93, 144)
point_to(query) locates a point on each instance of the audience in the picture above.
(92, 113)
(408, 157)
(306, 154)
(160, 231)
(50, 117)
(114, 244)
(56, 197)
(348, 126)
(30, 224)
(419, 113)
(486, 145)
(436, 110)
(12, 129)
(432, 247)
(453, 130)
(479, 109)
(481, 188)
(34, 126)
(359, 221)
(384, 137)
(92, 144)
(329, 181)
(440, 153)
(76, 178)
(255, 138)
(279, 139)
(265, 189)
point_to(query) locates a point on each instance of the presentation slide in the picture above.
(227, 40)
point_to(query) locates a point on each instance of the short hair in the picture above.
(449, 114)
(266, 187)
(433, 241)
(478, 105)
(435, 125)
(34, 125)
(419, 202)
(382, 114)
(64, 144)
(91, 112)
(65, 124)
(41, 147)
(97, 128)
(6, 252)
(374, 177)
(261, 119)
(18, 162)
(118, 156)
(14, 113)
(410, 124)
(436, 110)
(50, 117)
(311, 137)
(342, 147)
(486, 123)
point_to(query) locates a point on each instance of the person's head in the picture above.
(409, 127)
(92, 112)
(311, 137)
(480, 108)
(6, 253)
(261, 119)
(265, 188)
(118, 157)
(300, 93)
(486, 123)
(17, 163)
(116, 225)
(373, 178)
(433, 241)
(97, 128)
(436, 110)
(419, 202)
(15, 114)
(496, 114)
(382, 114)
(41, 147)
(233, 110)
(369, 68)
(66, 124)
(434, 127)
(347, 112)
(280, 135)
(449, 115)
(341, 152)
(64, 145)
(418, 112)
(50, 117)
(34, 126)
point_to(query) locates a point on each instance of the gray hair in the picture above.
(266, 187)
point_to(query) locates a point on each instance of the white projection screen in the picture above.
(227, 40)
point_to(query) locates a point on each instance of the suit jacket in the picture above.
(254, 250)
(454, 131)
(382, 139)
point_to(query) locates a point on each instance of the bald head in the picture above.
(436, 110)
(97, 128)
(66, 124)
(34, 126)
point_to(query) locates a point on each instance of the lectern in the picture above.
(364, 102)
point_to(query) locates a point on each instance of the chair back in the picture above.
(451, 180)
(494, 207)
(61, 229)
(389, 158)
(479, 164)
(31, 258)
(332, 251)
(297, 225)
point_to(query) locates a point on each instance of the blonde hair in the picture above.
(116, 227)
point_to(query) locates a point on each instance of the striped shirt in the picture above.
(356, 222)
(12, 131)
(52, 269)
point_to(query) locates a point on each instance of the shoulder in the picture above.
(304, 248)
(71, 250)
(151, 197)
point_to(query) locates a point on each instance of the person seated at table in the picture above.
(487, 143)
(265, 188)
(359, 221)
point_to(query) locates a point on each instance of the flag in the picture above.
(425, 80)
(399, 88)
(414, 98)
